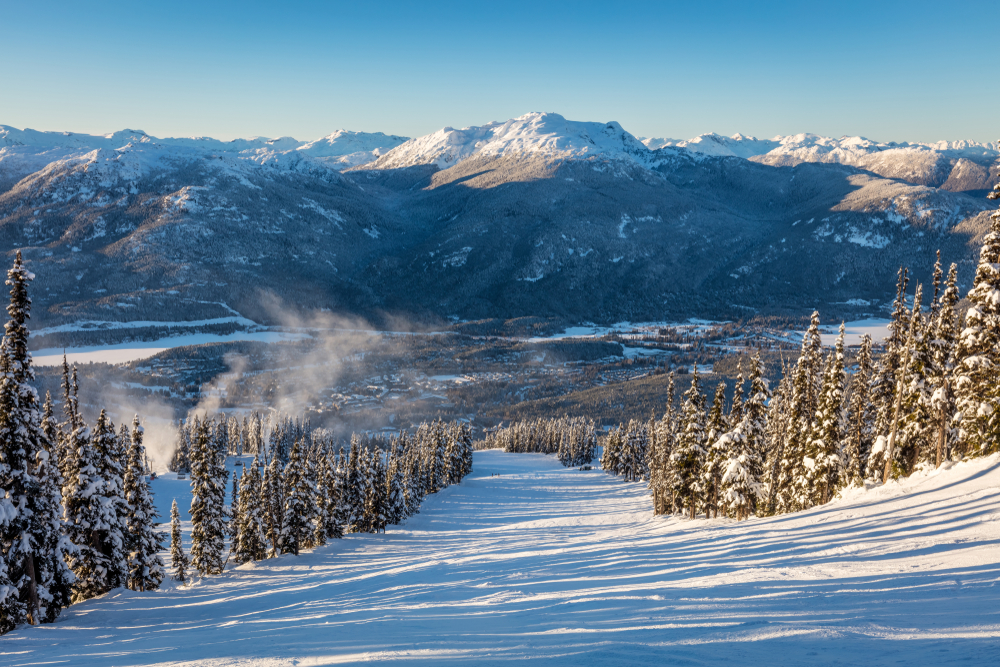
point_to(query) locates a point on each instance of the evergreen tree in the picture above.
(145, 568)
(274, 504)
(716, 454)
(95, 510)
(802, 406)
(689, 454)
(376, 500)
(978, 356)
(178, 559)
(355, 496)
(55, 579)
(822, 465)
(860, 417)
(662, 442)
(944, 345)
(395, 496)
(297, 529)
(208, 525)
(250, 541)
(915, 430)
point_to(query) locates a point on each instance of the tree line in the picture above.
(318, 494)
(573, 439)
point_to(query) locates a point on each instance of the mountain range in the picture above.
(538, 215)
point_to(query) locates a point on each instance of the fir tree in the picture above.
(296, 531)
(689, 454)
(822, 464)
(273, 497)
(376, 500)
(178, 560)
(55, 579)
(208, 525)
(95, 511)
(250, 541)
(355, 491)
(978, 356)
(943, 346)
(145, 568)
(716, 454)
(860, 428)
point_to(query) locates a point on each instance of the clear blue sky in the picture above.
(891, 71)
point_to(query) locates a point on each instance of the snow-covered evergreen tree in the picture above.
(178, 559)
(944, 347)
(822, 464)
(688, 455)
(978, 356)
(208, 489)
(715, 455)
(273, 497)
(860, 426)
(95, 510)
(376, 500)
(53, 547)
(250, 540)
(354, 499)
(145, 568)
(299, 509)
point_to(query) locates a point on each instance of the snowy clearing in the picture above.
(124, 352)
(571, 567)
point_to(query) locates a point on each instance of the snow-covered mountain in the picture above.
(538, 134)
(954, 165)
(537, 215)
(25, 151)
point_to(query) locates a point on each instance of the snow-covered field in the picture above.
(123, 352)
(570, 567)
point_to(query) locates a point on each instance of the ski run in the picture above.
(526, 559)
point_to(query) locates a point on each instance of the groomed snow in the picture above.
(570, 567)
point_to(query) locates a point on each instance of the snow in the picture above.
(547, 134)
(124, 352)
(570, 567)
(878, 329)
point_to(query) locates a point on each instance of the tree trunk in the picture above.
(34, 617)
(895, 427)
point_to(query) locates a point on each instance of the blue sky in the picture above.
(892, 71)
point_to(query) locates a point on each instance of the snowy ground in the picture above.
(570, 567)
(123, 352)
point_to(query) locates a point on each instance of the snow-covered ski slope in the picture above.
(570, 567)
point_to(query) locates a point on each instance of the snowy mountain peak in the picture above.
(547, 134)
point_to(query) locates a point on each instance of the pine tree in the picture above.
(178, 560)
(662, 443)
(208, 526)
(915, 430)
(802, 406)
(95, 510)
(944, 346)
(145, 568)
(55, 579)
(296, 531)
(376, 500)
(823, 463)
(355, 491)
(716, 454)
(860, 428)
(395, 496)
(689, 454)
(250, 541)
(274, 504)
(978, 355)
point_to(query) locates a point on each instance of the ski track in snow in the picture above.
(570, 567)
